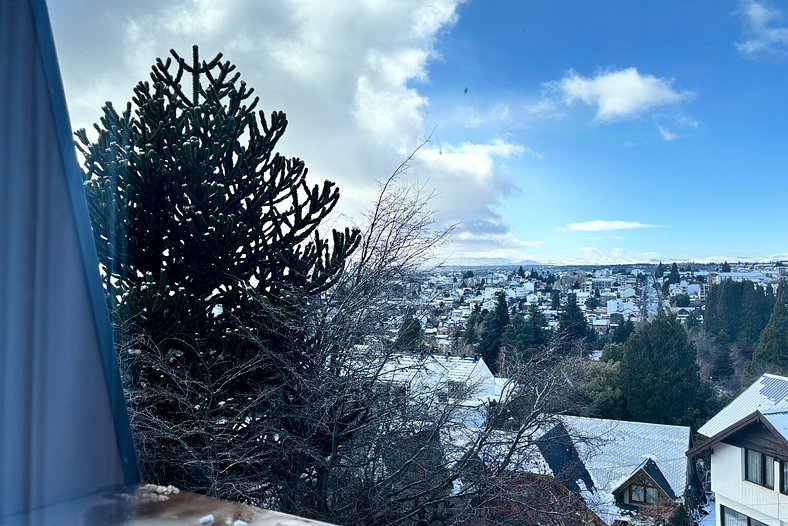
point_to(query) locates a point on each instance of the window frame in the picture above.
(783, 472)
(644, 484)
(766, 468)
(749, 521)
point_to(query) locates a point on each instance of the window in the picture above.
(642, 491)
(758, 468)
(734, 518)
(784, 477)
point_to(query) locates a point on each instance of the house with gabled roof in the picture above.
(619, 468)
(748, 444)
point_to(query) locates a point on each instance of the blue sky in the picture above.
(559, 131)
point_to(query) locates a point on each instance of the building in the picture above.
(619, 468)
(748, 443)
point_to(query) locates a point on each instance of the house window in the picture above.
(758, 468)
(784, 477)
(642, 491)
(734, 518)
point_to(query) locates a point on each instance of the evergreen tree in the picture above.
(772, 346)
(661, 356)
(410, 334)
(659, 271)
(198, 222)
(622, 332)
(674, 276)
(725, 267)
(491, 336)
(521, 271)
(572, 325)
(555, 300)
(471, 335)
(526, 334)
(192, 208)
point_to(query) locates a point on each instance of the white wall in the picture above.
(727, 482)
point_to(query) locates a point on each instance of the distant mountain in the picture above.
(491, 262)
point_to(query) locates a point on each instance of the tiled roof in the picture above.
(768, 392)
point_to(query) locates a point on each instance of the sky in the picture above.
(563, 132)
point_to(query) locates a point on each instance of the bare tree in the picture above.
(336, 433)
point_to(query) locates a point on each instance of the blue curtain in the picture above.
(64, 430)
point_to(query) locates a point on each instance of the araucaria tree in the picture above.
(197, 219)
(239, 323)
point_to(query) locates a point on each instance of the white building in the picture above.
(748, 442)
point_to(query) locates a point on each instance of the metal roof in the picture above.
(616, 449)
(768, 392)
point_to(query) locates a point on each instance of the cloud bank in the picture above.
(348, 75)
(600, 225)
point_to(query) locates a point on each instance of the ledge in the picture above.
(150, 505)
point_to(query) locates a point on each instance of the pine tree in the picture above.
(674, 276)
(410, 334)
(491, 337)
(526, 335)
(661, 356)
(572, 325)
(725, 267)
(659, 271)
(772, 346)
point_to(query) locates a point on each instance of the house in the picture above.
(619, 468)
(748, 443)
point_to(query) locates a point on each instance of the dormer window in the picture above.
(759, 468)
(642, 491)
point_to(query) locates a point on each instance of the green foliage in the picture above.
(680, 300)
(409, 336)
(725, 267)
(471, 335)
(622, 332)
(526, 335)
(659, 271)
(602, 389)
(592, 302)
(187, 199)
(674, 276)
(721, 363)
(572, 325)
(491, 335)
(555, 300)
(738, 311)
(210, 253)
(772, 346)
(660, 375)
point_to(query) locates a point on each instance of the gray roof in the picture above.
(768, 392)
(624, 446)
(778, 418)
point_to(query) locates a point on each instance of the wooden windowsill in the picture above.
(148, 505)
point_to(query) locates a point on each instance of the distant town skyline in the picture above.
(559, 132)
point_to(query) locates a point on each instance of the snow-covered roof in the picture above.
(778, 418)
(623, 446)
(768, 392)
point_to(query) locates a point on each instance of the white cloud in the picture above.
(762, 35)
(600, 225)
(666, 134)
(618, 94)
(346, 73)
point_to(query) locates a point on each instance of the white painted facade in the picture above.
(732, 491)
